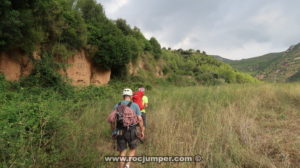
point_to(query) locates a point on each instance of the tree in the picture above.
(92, 11)
(156, 49)
(123, 26)
(148, 46)
(135, 49)
(17, 22)
(112, 48)
(74, 31)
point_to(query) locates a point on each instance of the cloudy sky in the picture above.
(233, 29)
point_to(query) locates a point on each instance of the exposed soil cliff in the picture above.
(80, 71)
(15, 65)
(143, 64)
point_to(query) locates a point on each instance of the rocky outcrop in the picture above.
(10, 67)
(15, 65)
(133, 68)
(82, 72)
(140, 64)
(158, 73)
(100, 77)
(26, 66)
(80, 69)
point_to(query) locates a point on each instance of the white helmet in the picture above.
(127, 92)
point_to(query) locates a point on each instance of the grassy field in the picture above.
(228, 125)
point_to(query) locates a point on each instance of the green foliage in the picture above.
(114, 43)
(47, 123)
(295, 77)
(27, 24)
(38, 121)
(45, 74)
(123, 26)
(199, 67)
(17, 25)
(29, 129)
(3, 83)
(275, 67)
(41, 127)
(92, 11)
(179, 80)
(148, 46)
(60, 27)
(74, 31)
(34, 122)
(257, 64)
(61, 51)
(135, 48)
(155, 47)
(113, 49)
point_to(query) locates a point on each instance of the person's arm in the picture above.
(141, 125)
(140, 120)
(113, 124)
(145, 105)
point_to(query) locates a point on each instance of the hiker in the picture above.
(144, 105)
(125, 119)
(142, 101)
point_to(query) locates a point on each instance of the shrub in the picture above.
(179, 80)
(45, 74)
(156, 48)
(3, 82)
(30, 126)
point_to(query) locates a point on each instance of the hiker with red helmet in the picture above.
(125, 119)
(141, 99)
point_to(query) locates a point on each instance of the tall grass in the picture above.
(229, 126)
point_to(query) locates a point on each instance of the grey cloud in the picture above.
(216, 25)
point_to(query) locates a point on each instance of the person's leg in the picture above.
(132, 143)
(130, 154)
(121, 147)
(122, 154)
(144, 119)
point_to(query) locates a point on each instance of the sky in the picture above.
(233, 29)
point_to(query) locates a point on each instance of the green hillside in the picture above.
(256, 64)
(281, 67)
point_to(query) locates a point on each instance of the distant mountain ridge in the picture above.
(225, 60)
(279, 67)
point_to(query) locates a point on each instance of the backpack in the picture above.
(124, 116)
(138, 99)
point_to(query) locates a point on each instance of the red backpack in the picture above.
(138, 99)
(123, 115)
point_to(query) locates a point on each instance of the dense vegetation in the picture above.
(189, 67)
(45, 122)
(41, 127)
(229, 125)
(59, 27)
